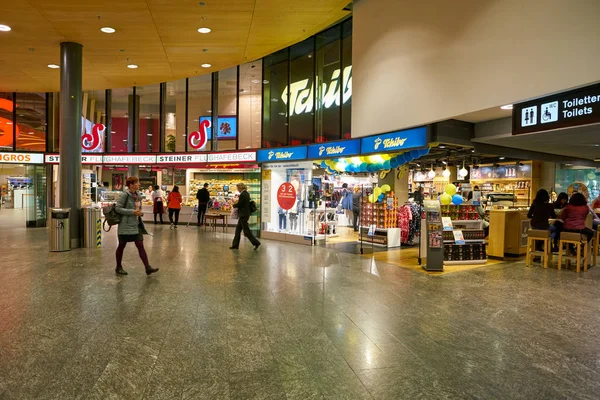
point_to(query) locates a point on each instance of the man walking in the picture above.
(244, 212)
(203, 197)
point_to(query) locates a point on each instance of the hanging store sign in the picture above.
(564, 110)
(92, 140)
(344, 148)
(282, 154)
(87, 159)
(21, 158)
(395, 141)
(130, 159)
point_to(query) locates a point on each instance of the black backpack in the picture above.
(111, 216)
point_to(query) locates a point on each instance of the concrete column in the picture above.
(215, 111)
(70, 134)
(133, 131)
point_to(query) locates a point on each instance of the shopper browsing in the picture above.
(131, 229)
(356, 197)
(174, 201)
(157, 204)
(244, 212)
(203, 197)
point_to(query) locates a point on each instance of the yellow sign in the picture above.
(266, 174)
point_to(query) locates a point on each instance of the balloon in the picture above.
(377, 191)
(387, 164)
(414, 154)
(457, 199)
(341, 166)
(323, 165)
(386, 188)
(386, 157)
(394, 162)
(402, 158)
(450, 189)
(375, 159)
(355, 160)
(363, 166)
(371, 198)
(381, 197)
(445, 199)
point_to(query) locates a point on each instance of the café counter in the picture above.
(508, 233)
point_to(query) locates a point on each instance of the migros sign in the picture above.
(21, 158)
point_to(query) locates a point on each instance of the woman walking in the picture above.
(129, 206)
(174, 203)
(157, 204)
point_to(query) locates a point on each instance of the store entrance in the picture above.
(22, 196)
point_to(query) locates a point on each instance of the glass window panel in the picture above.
(149, 118)
(227, 129)
(6, 121)
(301, 92)
(199, 108)
(120, 118)
(347, 80)
(250, 120)
(31, 121)
(175, 116)
(275, 99)
(328, 85)
(94, 112)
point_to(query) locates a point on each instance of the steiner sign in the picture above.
(395, 141)
(564, 110)
(286, 196)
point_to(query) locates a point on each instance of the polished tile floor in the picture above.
(285, 322)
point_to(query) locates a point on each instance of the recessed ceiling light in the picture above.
(206, 65)
(501, 158)
(201, 3)
(108, 29)
(265, 82)
(53, 66)
(507, 107)
(132, 66)
(255, 81)
(5, 28)
(204, 30)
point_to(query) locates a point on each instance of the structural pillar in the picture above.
(70, 134)
(133, 125)
(215, 111)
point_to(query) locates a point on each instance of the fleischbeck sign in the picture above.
(563, 110)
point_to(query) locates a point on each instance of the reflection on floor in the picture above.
(285, 322)
(11, 218)
(405, 256)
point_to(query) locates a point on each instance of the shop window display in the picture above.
(31, 121)
(6, 121)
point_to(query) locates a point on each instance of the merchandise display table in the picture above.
(212, 217)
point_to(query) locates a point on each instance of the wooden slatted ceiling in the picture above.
(158, 35)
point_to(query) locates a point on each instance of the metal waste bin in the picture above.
(92, 227)
(60, 239)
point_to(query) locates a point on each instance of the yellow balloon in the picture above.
(450, 189)
(355, 160)
(363, 159)
(386, 157)
(371, 198)
(445, 199)
(386, 188)
(377, 191)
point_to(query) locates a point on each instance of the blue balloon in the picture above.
(323, 165)
(457, 199)
(363, 166)
(387, 164)
(394, 162)
(424, 151)
(402, 159)
(414, 154)
(381, 197)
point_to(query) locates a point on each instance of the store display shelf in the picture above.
(463, 262)
(463, 221)
(467, 241)
(367, 241)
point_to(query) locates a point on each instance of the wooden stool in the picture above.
(534, 236)
(595, 245)
(567, 238)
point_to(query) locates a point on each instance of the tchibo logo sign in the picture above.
(302, 93)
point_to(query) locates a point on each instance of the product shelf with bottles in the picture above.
(463, 235)
(379, 222)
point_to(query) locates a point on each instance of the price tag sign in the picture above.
(447, 221)
(458, 237)
(286, 196)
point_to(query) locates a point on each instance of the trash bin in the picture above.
(92, 227)
(60, 239)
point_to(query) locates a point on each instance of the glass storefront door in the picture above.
(35, 199)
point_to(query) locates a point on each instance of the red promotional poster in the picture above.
(286, 196)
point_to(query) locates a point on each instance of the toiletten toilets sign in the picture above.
(564, 110)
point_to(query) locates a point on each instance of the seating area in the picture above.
(573, 249)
